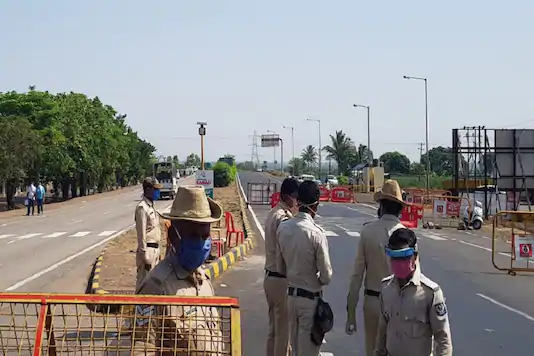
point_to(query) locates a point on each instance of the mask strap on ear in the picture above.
(309, 206)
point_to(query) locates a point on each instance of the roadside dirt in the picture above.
(118, 266)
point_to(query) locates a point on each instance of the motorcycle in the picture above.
(476, 215)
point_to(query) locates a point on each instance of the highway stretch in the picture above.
(491, 313)
(54, 252)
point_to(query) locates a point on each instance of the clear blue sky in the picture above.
(257, 65)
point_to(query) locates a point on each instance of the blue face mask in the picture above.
(155, 194)
(193, 252)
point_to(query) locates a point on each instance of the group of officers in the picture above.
(404, 312)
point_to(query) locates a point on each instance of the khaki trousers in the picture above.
(301, 314)
(371, 315)
(151, 254)
(276, 293)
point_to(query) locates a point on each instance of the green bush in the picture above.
(343, 180)
(233, 173)
(222, 174)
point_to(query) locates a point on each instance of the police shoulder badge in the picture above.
(441, 309)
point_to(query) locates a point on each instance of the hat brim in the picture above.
(216, 214)
(157, 186)
(378, 196)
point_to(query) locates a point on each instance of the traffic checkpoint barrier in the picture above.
(335, 195)
(422, 196)
(444, 211)
(411, 215)
(325, 194)
(212, 270)
(40, 324)
(513, 238)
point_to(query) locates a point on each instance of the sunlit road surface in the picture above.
(54, 252)
(491, 313)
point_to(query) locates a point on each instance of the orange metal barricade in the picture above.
(60, 324)
(513, 239)
(341, 195)
(410, 215)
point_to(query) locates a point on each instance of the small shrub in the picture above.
(222, 174)
(233, 173)
(343, 180)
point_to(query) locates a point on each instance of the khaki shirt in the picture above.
(371, 258)
(304, 252)
(276, 215)
(411, 315)
(197, 328)
(146, 224)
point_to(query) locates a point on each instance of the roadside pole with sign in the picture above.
(204, 178)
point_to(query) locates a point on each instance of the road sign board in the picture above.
(204, 178)
(270, 140)
(523, 247)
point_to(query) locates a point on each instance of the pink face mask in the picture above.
(401, 268)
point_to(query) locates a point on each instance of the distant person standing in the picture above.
(40, 195)
(275, 282)
(148, 229)
(30, 198)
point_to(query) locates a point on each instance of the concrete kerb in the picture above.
(213, 269)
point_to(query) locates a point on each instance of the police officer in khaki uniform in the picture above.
(148, 229)
(180, 273)
(305, 259)
(275, 282)
(413, 310)
(372, 262)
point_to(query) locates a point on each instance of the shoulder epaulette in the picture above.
(429, 283)
(387, 279)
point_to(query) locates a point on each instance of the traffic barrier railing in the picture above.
(513, 238)
(341, 195)
(411, 215)
(422, 196)
(275, 199)
(444, 211)
(325, 194)
(60, 324)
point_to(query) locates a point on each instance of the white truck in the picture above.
(167, 175)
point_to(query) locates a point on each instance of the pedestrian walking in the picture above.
(180, 273)
(372, 263)
(275, 281)
(413, 311)
(305, 260)
(40, 195)
(30, 198)
(148, 229)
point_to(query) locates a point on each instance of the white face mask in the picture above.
(309, 206)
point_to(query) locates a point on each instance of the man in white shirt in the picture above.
(30, 198)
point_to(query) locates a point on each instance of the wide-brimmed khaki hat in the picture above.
(152, 182)
(191, 203)
(390, 191)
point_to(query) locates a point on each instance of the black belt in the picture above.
(274, 274)
(371, 293)
(152, 244)
(302, 293)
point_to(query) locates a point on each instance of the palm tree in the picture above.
(364, 153)
(343, 151)
(309, 156)
(296, 166)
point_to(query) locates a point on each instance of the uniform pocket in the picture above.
(417, 325)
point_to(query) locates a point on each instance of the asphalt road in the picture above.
(491, 313)
(54, 252)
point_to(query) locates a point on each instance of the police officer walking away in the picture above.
(275, 282)
(306, 258)
(148, 229)
(372, 261)
(413, 311)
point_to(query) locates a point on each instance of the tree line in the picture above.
(75, 142)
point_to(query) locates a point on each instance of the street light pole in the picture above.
(426, 128)
(292, 147)
(320, 145)
(369, 159)
(202, 133)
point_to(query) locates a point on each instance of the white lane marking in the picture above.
(330, 233)
(368, 206)
(353, 233)
(5, 236)
(2, 225)
(80, 234)
(254, 217)
(66, 260)
(507, 307)
(55, 234)
(27, 236)
(342, 227)
(484, 248)
(326, 354)
(106, 233)
(362, 212)
(107, 212)
(434, 236)
(75, 222)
